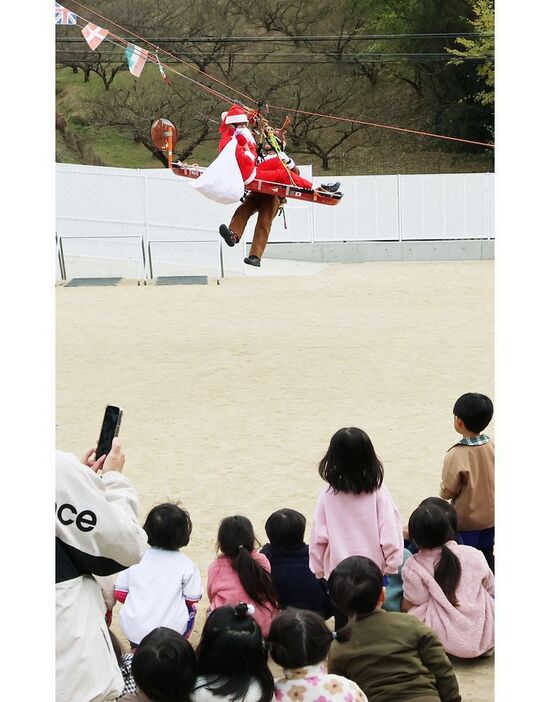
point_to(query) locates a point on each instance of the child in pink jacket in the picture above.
(447, 586)
(355, 515)
(241, 573)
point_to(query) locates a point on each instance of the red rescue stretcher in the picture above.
(266, 187)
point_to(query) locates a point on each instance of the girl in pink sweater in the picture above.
(241, 573)
(448, 587)
(355, 515)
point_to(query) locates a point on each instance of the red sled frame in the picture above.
(266, 187)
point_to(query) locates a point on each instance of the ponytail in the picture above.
(343, 635)
(236, 540)
(255, 580)
(447, 574)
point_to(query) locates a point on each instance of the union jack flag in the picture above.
(64, 16)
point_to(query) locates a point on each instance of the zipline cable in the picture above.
(272, 107)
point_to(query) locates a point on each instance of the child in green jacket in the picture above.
(391, 656)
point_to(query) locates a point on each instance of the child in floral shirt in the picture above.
(299, 641)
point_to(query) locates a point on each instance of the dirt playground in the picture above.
(231, 392)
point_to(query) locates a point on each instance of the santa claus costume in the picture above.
(235, 126)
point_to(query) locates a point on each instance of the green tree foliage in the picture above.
(481, 48)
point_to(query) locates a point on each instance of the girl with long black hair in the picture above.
(448, 586)
(241, 573)
(232, 659)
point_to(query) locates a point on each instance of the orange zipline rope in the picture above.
(251, 99)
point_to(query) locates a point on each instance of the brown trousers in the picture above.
(267, 207)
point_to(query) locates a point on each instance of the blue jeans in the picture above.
(483, 540)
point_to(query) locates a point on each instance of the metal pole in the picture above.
(150, 260)
(221, 261)
(144, 262)
(62, 259)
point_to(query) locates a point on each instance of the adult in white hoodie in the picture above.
(97, 533)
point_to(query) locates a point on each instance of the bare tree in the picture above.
(136, 109)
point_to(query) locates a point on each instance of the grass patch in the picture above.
(113, 146)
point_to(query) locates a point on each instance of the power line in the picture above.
(338, 38)
(277, 108)
(305, 59)
(249, 54)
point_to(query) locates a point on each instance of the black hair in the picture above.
(236, 540)
(298, 637)
(286, 528)
(475, 410)
(232, 653)
(168, 526)
(448, 509)
(429, 527)
(351, 464)
(355, 585)
(164, 666)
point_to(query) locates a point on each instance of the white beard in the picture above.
(245, 131)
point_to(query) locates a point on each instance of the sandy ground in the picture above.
(231, 392)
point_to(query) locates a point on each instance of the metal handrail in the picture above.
(177, 241)
(122, 236)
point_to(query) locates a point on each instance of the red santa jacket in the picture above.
(245, 153)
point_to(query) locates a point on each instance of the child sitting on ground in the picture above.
(448, 510)
(391, 656)
(164, 667)
(240, 573)
(163, 589)
(469, 473)
(295, 584)
(448, 587)
(299, 641)
(232, 659)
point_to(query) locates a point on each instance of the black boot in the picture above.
(228, 235)
(331, 187)
(252, 261)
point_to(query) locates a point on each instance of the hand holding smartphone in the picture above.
(109, 429)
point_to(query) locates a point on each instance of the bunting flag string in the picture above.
(64, 16)
(136, 57)
(94, 35)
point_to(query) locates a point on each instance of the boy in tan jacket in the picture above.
(469, 473)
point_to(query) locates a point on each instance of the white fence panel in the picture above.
(336, 222)
(445, 206)
(369, 211)
(104, 206)
(94, 192)
(177, 211)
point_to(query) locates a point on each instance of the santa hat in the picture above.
(234, 115)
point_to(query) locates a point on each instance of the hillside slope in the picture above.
(381, 151)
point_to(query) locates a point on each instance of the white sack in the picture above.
(222, 180)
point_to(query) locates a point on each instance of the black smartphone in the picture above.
(109, 429)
